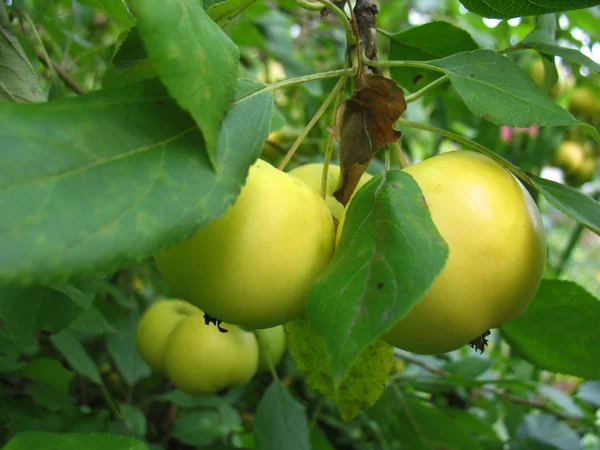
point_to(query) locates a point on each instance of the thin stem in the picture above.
(463, 140)
(312, 123)
(329, 147)
(511, 398)
(357, 37)
(417, 95)
(110, 402)
(317, 412)
(40, 42)
(310, 5)
(342, 16)
(62, 73)
(412, 420)
(572, 243)
(297, 80)
(400, 156)
(385, 33)
(391, 63)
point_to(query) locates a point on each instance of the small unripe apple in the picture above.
(201, 359)
(311, 174)
(497, 252)
(271, 343)
(584, 102)
(156, 325)
(254, 265)
(569, 156)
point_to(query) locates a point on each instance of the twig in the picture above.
(365, 11)
(511, 398)
(358, 41)
(312, 122)
(62, 73)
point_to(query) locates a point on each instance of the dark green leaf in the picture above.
(91, 323)
(280, 421)
(50, 373)
(75, 354)
(546, 429)
(41, 440)
(558, 332)
(18, 81)
(27, 310)
(505, 9)
(134, 419)
(570, 201)
(433, 40)
(198, 428)
(82, 179)
(368, 285)
(222, 12)
(122, 349)
(198, 63)
(497, 89)
(418, 425)
(468, 368)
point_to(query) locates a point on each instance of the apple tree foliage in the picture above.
(127, 124)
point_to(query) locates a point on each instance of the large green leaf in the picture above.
(18, 81)
(559, 331)
(505, 9)
(76, 355)
(280, 421)
(433, 40)
(497, 89)
(196, 60)
(115, 8)
(43, 440)
(98, 181)
(572, 202)
(387, 258)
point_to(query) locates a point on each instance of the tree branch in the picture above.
(62, 73)
(365, 12)
(511, 398)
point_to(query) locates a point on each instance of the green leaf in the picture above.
(572, 202)
(114, 8)
(198, 63)
(50, 373)
(365, 381)
(558, 331)
(223, 12)
(102, 180)
(10, 353)
(42, 440)
(548, 430)
(418, 425)
(29, 309)
(495, 88)
(18, 81)
(199, 428)
(134, 418)
(122, 349)
(369, 285)
(91, 323)
(130, 63)
(433, 40)
(280, 421)
(192, 401)
(505, 9)
(75, 354)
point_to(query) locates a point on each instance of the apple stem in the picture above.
(400, 156)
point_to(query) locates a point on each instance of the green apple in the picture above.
(497, 252)
(156, 325)
(201, 359)
(254, 265)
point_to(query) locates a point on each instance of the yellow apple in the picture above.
(254, 265)
(156, 325)
(497, 252)
(271, 343)
(202, 360)
(584, 102)
(311, 174)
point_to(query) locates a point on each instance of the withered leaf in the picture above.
(363, 124)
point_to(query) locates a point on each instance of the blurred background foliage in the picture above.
(109, 388)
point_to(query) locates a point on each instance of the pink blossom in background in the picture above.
(506, 133)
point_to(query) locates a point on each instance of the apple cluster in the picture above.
(203, 356)
(254, 266)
